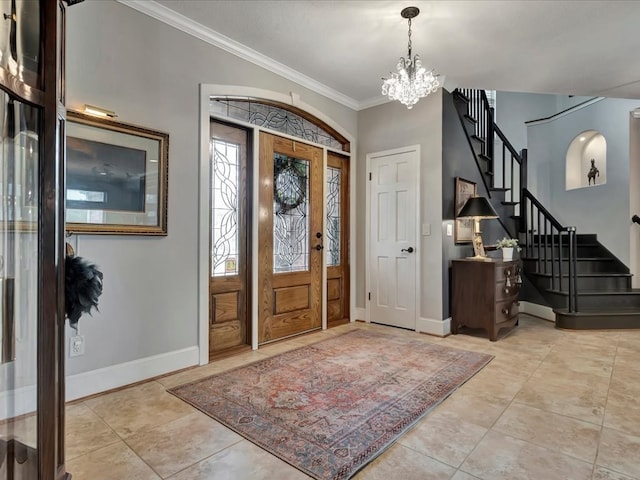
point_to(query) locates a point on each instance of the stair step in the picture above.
(484, 157)
(603, 318)
(587, 281)
(589, 274)
(511, 204)
(582, 250)
(499, 189)
(583, 265)
(461, 96)
(477, 139)
(470, 118)
(565, 259)
(632, 292)
(591, 300)
(582, 238)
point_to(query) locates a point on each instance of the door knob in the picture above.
(319, 247)
(408, 250)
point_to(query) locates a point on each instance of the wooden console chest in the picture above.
(485, 294)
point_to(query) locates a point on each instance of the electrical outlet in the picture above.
(76, 346)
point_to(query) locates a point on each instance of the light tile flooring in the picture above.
(551, 405)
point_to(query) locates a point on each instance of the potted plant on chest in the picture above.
(508, 245)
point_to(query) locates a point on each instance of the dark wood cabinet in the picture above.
(485, 294)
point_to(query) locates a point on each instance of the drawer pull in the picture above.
(506, 290)
(505, 311)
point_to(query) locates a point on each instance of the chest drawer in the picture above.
(485, 294)
(507, 310)
(506, 290)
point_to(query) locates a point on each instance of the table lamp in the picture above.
(477, 208)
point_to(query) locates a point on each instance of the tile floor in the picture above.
(551, 405)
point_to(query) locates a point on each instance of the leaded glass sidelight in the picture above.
(290, 214)
(225, 178)
(334, 184)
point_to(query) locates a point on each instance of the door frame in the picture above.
(211, 90)
(418, 243)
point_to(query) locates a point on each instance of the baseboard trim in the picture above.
(360, 314)
(439, 328)
(536, 310)
(96, 381)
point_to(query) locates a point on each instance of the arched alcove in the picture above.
(586, 161)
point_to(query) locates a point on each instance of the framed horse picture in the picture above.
(463, 228)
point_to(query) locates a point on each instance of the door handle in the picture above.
(408, 250)
(319, 247)
(318, 234)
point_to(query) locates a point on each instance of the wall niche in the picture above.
(586, 162)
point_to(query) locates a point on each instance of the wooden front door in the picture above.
(290, 239)
(337, 240)
(229, 325)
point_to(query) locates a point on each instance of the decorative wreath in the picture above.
(289, 183)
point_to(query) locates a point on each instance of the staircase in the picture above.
(584, 283)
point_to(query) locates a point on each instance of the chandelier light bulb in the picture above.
(412, 81)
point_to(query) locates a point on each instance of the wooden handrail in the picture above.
(545, 212)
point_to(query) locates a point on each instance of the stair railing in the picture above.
(506, 167)
(543, 235)
(507, 170)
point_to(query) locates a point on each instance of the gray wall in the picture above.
(603, 209)
(149, 73)
(390, 126)
(513, 109)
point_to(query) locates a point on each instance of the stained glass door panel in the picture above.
(228, 305)
(337, 240)
(290, 238)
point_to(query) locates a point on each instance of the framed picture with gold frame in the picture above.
(116, 177)
(463, 228)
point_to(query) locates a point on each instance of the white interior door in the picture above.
(393, 258)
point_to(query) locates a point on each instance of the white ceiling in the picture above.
(343, 48)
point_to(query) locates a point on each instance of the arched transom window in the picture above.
(281, 118)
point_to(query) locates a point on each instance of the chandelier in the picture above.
(412, 81)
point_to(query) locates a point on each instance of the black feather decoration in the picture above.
(83, 286)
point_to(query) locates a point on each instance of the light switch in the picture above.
(426, 229)
(449, 229)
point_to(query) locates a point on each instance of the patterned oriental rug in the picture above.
(331, 407)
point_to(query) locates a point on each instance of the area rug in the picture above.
(331, 407)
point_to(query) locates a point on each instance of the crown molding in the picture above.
(373, 102)
(195, 29)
